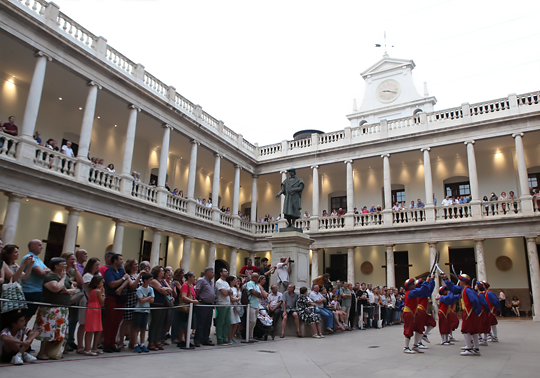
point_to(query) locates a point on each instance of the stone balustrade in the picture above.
(368, 220)
(408, 216)
(54, 161)
(226, 220)
(8, 146)
(144, 192)
(176, 203)
(104, 178)
(203, 212)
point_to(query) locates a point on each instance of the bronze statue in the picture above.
(291, 188)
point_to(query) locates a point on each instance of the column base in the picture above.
(527, 206)
(126, 185)
(191, 204)
(26, 151)
(296, 246)
(236, 222)
(216, 215)
(349, 221)
(429, 212)
(82, 170)
(387, 217)
(162, 195)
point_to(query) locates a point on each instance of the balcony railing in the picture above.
(104, 178)
(54, 161)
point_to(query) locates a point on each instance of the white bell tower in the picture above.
(390, 93)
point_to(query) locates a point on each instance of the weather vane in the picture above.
(385, 50)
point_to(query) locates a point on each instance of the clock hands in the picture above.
(389, 91)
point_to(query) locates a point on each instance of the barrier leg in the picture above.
(361, 317)
(188, 332)
(247, 326)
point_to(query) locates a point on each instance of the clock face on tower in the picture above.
(388, 91)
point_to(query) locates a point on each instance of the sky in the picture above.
(270, 68)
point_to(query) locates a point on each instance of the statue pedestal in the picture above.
(295, 245)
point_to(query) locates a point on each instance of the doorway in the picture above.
(218, 265)
(338, 267)
(463, 260)
(401, 270)
(55, 241)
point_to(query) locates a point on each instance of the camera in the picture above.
(291, 261)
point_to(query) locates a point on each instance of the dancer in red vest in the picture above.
(410, 303)
(494, 306)
(447, 321)
(471, 311)
(484, 323)
(424, 322)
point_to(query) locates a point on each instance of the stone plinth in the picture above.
(296, 246)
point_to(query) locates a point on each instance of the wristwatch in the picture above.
(123, 278)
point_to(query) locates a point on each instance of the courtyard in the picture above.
(376, 353)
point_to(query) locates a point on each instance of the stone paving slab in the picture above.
(377, 353)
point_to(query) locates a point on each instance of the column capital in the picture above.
(468, 142)
(282, 171)
(188, 237)
(315, 249)
(195, 141)
(218, 155)
(531, 238)
(92, 83)
(517, 134)
(314, 167)
(157, 231)
(432, 243)
(425, 149)
(385, 155)
(238, 166)
(118, 220)
(167, 126)
(255, 176)
(74, 209)
(43, 54)
(349, 248)
(14, 196)
(348, 161)
(479, 240)
(134, 107)
(389, 245)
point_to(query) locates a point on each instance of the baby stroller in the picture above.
(263, 326)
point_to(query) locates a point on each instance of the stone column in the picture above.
(316, 199)
(525, 196)
(88, 119)
(192, 170)
(82, 168)
(130, 140)
(350, 187)
(26, 149)
(387, 212)
(480, 260)
(232, 263)
(534, 270)
(186, 253)
(432, 253)
(473, 180)
(283, 221)
(252, 257)
(253, 215)
(164, 155)
(118, 241)
(236, 190)
(34, 96)
(390, 266)
(156, 247)
(127, 178)
(428, 184)
(163, 162)
(212, 256)
(314, 264)
(215, 188)
(70, 238)
(350, 265)
(10, 220)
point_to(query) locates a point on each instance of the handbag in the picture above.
(12, 290)
(181, 302)
(77, 297)
(169, 300)
(55, 349)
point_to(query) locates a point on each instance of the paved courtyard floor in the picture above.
(373, 353)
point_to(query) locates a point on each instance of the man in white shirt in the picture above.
(447, 202)
(66, 149)
(502, 301)
(223, 314)
(283, 270)
(275, 308)
(326, 315)
(371, 300)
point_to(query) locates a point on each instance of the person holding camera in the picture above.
(283, 271)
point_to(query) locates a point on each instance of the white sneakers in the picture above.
(408, 351)
(19, 359)
(425, 338)
(470, 352)
(417, 349)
